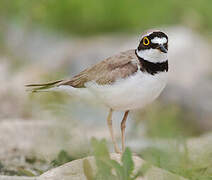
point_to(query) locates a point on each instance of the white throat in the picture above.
(152, 55)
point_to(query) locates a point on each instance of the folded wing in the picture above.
(105, 72)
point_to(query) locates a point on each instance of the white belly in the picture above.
(131, 93)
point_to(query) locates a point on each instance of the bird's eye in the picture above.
(146, 41)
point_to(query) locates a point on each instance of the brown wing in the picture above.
(107, 71)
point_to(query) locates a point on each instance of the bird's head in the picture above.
(153, 46)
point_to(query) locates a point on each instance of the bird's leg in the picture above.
(109, 123)
(123, 126)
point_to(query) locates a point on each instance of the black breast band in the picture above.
(152, 68)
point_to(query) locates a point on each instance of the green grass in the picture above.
(62, 158)
(108, 168)
(102, 16)
(28, 169)
(176, 159)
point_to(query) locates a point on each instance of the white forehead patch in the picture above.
(158, 40)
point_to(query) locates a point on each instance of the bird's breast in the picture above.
(133, 92)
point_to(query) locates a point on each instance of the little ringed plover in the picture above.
(126, 81)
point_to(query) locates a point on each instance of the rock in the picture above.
(74, 170)
(44, 139)
(33, 139)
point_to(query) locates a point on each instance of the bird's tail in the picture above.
(42, 87)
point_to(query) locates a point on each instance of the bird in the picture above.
(123, 82)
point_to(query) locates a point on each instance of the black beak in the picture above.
(162, 48)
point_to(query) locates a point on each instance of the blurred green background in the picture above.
(103, 16)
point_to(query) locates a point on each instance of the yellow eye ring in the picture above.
(146, 41)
